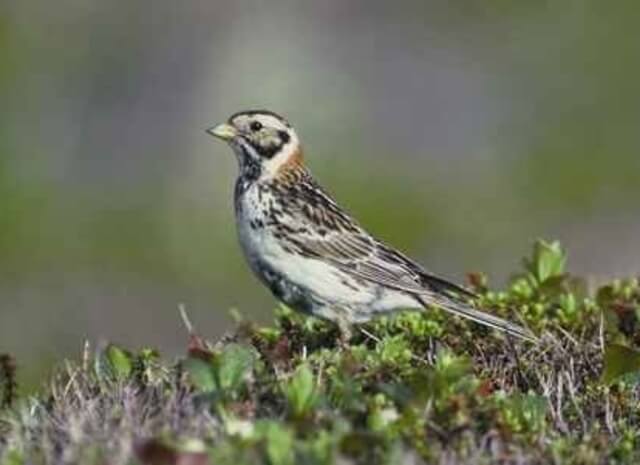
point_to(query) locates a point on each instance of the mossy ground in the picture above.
(415, 388)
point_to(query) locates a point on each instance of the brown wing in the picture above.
(364, 257)
(317, 228)
(326, 232)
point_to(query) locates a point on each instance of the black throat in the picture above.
(250, 167)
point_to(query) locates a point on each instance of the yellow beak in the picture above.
(223, 131)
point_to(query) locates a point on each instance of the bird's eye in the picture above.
(255, 126)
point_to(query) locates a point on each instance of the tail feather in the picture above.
(470, 313)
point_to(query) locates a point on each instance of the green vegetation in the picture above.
(415, 388)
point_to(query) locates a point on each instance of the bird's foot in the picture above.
(345, 334)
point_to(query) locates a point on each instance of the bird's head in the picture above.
(264, 142)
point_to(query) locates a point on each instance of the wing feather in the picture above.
(331, 235)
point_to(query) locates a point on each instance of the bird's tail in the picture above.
(466, 311)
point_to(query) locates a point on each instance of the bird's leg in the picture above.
(345, 330)
(340, 317)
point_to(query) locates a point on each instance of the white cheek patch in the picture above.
(269, 140)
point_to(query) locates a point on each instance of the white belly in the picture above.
(261, 248)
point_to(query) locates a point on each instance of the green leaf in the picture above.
(232, 366)
(619, 361)
(279, 444)
(225, 372)
(548, 261)
(201, 373)
(113, 363)
(120, 361)
(301, 392)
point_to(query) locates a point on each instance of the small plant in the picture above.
(114, 362)
(546, 264)
(418, 387)
(220, 373)
(522, 413)
(301, 393)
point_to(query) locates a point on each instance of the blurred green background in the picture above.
(458, 131)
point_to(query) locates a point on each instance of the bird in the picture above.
(313, 255)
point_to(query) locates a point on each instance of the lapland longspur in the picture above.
(310, 252)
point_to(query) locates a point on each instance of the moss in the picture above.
(415, 388)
